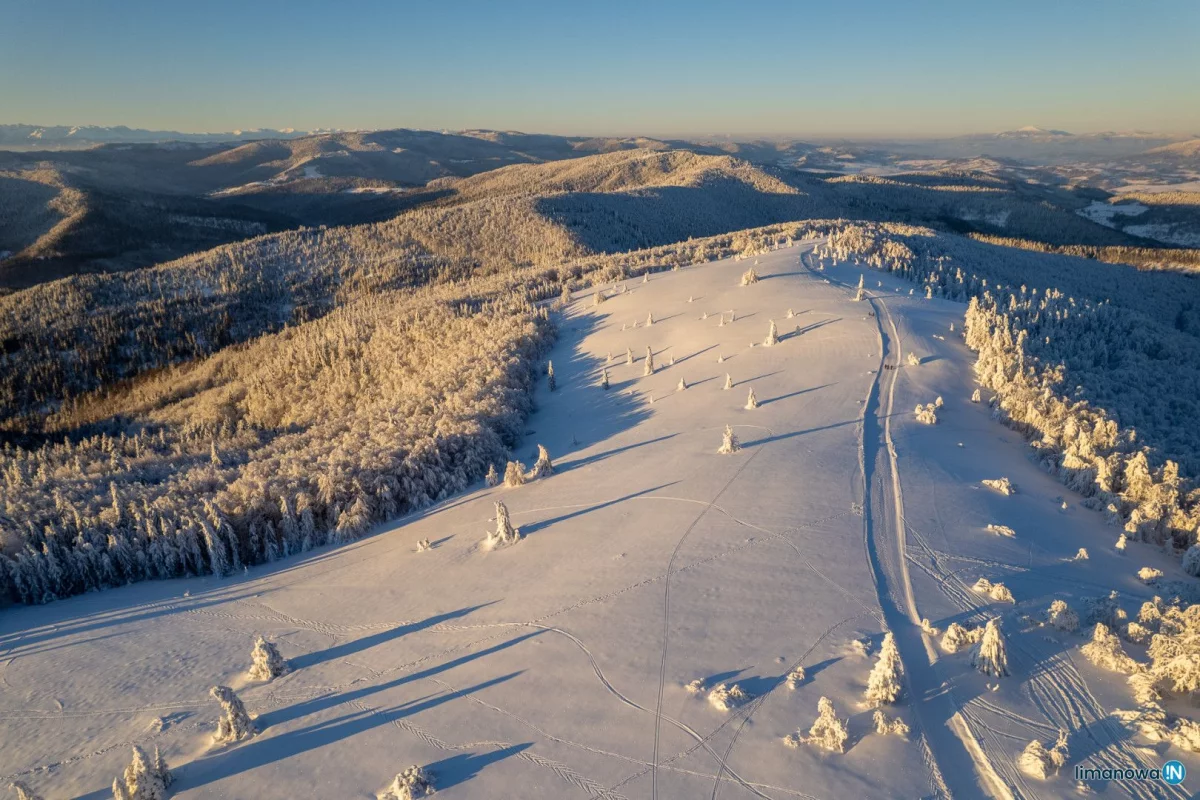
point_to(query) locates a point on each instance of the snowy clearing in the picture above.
(559, 667)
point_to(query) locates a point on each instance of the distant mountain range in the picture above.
(58, 137)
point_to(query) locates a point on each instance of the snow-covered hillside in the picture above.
(586, 660)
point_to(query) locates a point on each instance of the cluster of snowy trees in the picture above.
(1098, 364)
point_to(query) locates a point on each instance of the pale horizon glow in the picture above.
(772, 69)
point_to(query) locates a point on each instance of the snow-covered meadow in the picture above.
(597, 657)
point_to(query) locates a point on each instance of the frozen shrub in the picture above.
(991, 655)
(772, 336)
(1001, 530)
(505, 533)
(235, 724)
(729, 442)
(997, 591)
(1038, 762)
(889, 726)
(1191, 560)
(827, 732)
(749, 277)
(542, 468)
(514, 474)
(795, 677)
(927, 627)
(725, 698)
(695, 687)
(926, 414)
(1149, 575)
(23, 791)
(958, 637)
(883, 685)
(1106, 652)
(424, 545)
(410, 784)
(1062, 617)
(1082, 555)
(491, 479)
(266, 663)
(1001, 485)
(751, 400)
(938, 402)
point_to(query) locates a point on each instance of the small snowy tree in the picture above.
(926, 414)
(1122, 543)
(889, 726)
(976, 396)
(410, 784)
(991, 656)
(492, 478)
(598, 297)
(827, 732)
(772, 336)
(505, 533)
(914, 360)
(23, 791)
(542, 468)
(681, 385)
(728, 382)
(1149, 575)
(795, 677)
(859, 294)
(1038, 762)
(1105, 651)
(629, 356)
(751, 400)
(883, 685)
(957, 637)
(749, 277)
(604, 379)
(266, 663)
(514, 474)
(1001, 485)
(235, 724)
(649, 319)
(1062, 617)
(791, 314)
(146, 780)
(725, 697)
(729, 442)
(1191, 560)
(551, 384)
(648, 368)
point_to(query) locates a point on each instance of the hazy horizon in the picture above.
(801, 70)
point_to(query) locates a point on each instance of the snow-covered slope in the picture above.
(559, 666)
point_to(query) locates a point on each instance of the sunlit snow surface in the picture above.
(557, 667)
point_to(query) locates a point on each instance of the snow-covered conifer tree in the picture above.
(551, 384)
(889, 726)
(772, 336)
(751, 400)
(1106, 651)
(883, 685)
(827, 732)
(629, 355)
(914, 360)
(505, 533)
(492, 478)
(648, 368)
(791, 314)
(976, 396)
(728, 382)
(991, 656)
(514, 474)
(1191, 560)
(145, 779)
(266, 662)
(542, 468)
(859, 293)
(649, 319)
(23, 791)
(681, 385)
(235, 724)
(604, 379)
(410, 784)
(749, 277)
(1122, 542)
(1062, 617)
(729, 443)
(598, 297)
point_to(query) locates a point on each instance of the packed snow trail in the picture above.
(958, 766)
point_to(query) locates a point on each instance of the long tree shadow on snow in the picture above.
(537, 526)
(770, 400)
(266, 749)
(367, 642)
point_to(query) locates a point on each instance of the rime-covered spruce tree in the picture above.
(145, 779)
(728, 382)
(551, 384)
(648, 368)
(542, 468)
(751, 400)
(991, 655)
(235, 724)
(266, 663)
(883, 685)
(749, 277)
(604, 379)
(681, 385)
(772, 336)
(505, 533)
(410, 784)
(828, 732)
(629, 356)
(649, 319)
(23, 791)
(514, 474)
(729, 442)
(492, 478)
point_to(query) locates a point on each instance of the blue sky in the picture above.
(866, 68)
